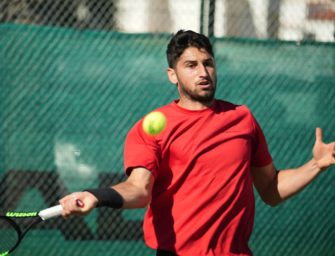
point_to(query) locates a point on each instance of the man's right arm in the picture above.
(135, 193)
(136, 190)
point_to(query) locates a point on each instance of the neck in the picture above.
(194, 105)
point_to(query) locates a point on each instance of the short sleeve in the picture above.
(141, 150)
(260, 152)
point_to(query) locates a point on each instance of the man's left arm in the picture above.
(275, 186)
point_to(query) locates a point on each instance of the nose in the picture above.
(203, 72)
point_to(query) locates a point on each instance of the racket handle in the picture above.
(56, 211)
(51, 212)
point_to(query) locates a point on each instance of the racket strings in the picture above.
(9, 235)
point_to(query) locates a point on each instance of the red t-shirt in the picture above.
(202, 199)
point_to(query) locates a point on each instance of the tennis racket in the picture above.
(15, 225)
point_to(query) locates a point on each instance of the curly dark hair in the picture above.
(184, 39)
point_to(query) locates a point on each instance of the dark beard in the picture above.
(206, 98)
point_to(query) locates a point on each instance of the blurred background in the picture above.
(75, 75)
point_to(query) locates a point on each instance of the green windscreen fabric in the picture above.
(69, 97)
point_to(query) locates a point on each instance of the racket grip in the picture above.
(51, 212)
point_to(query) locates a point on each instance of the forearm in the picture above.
(124, 195)
(136, 190)
(133, 195)
(275, 187)
(291, 181)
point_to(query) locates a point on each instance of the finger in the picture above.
(78, 202)
(66, 213)
(69, 204)
(318, 134)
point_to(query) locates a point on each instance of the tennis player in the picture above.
(197, 176)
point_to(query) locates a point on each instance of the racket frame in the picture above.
(36, 217)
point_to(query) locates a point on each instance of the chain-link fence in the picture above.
(278, 19)
(76, 75)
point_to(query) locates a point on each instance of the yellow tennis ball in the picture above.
(154, 123)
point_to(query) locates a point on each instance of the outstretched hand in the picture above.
(323, 154)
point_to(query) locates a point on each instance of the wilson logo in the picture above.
(21, 214)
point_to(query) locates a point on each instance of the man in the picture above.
(197, 176)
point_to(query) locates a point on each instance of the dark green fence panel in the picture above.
(68, 98)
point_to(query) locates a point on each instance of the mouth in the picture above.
(205, 84)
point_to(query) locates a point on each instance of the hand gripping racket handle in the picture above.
(51, 212)
(55, 211)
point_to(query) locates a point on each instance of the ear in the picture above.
(172, 75)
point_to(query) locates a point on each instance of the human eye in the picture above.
(190, 64)
(209, 63)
